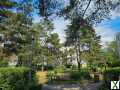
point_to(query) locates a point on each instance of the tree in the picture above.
(54, 46)
(42, 51)
(93, 11)
(16, 30)
(5, 7)
(82, 38)
(46, 8)
(6, 14)
(111, 55)
(83, 15)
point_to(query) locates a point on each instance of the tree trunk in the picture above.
(43, 64)
(77, 56)
(79, 65)
(79, 53)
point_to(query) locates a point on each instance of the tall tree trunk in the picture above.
(79, 65)
(77, 55)
(43, 64)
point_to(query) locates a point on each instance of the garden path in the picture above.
(91, 86)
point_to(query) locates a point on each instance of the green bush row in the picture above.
(116, 63)
(80, 75)
(15, 79)
(53, 74)
(111, 74)
(46, 67)
(3, 63)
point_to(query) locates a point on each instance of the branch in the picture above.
(87, 7)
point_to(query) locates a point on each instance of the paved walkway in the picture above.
(92, 86)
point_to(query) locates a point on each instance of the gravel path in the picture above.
(92, 86)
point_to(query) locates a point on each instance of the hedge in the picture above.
(80, 75)
(15, 78)
(111, 74)
(114, 64)
(3, 63)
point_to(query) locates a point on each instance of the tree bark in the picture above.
(77, 55)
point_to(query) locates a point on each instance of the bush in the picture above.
(3, 63)
(59, 69)
(52, 75)
(74, 67)
(46, 67)
(68, 66)
(111, 74)
(15, 78)
(80, 75)
(49, 67)
(114, 64)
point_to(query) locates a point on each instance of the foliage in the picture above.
(14, 30)
(12, 77)
(59, 69)
(80, 75)
(110, 54)
(83, 39)
(5, 7)
(112, 71)
(56, 72)
(68, 66)
(115, 63)
(84, 9)
(38, 44)
(15, 78)
(3, 63)
(111, 74)
(46, 8)
(46, 67)
(51, 76)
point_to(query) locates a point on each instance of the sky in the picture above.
(107, 29)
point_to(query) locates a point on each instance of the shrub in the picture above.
(3, 63)
(51, 75)
(49, 67)
(46, 67)
(111, 74)
(59, 69)
(116, 63)
(80, 75)
(74, 67)
(68, 66)
(15, 78)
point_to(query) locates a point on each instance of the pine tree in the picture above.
(83, 38)
(5, 6)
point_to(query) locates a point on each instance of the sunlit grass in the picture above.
(42, 77)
